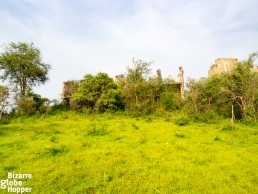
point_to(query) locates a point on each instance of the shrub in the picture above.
(26, 106)
(182, 121)
(98, 93)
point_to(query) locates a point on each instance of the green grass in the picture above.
(72, 153)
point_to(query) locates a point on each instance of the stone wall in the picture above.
(68, 88)
(222, 65)
(181, 82)
(225, 65)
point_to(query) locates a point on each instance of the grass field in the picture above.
(72, 153)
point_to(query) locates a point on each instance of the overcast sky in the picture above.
(90, 36)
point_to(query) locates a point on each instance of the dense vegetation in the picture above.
(226, 95)
(229, 95)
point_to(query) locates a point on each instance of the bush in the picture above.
(98, 93)
(182, 121)
(26, 106)
(32, 103)
(4, 122)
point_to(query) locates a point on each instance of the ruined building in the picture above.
(222, 65)
(181, 82)
(179, 85)
(225, 65)
(119, 78)
(159, 74)
(69, 87)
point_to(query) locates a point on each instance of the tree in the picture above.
(136, 86)
(98, 93)
(145, 93)
(241, 88)
(204, 97)
(220, 92)
(4, 94)
(22, 65)
(31, 103)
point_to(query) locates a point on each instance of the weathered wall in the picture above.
(225, 65)
(119, 78)
(222, 65)
(181, 82)
(68, 88)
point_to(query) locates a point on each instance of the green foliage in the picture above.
(182, 121)
(22, 65)
(144, 94)
(240, 88)
(209, 97)
(139, 72)
(32, 103)
(228, 128)
(26, 106)
(4, 122)
(4, 94)
(170, 100)
(57, 108)
(98, 93)
(137, 93)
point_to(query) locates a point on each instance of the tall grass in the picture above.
(73, 153)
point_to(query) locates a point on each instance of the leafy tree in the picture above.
(98, 93)
(136, 86)
(22, 65)
(4, 94)
(169, 95)
(204, 98)
(220, 92)
(241, 88)
(139, 72)
(193, 102)
(146, 93)
(31, 103)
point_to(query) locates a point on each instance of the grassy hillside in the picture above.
(118, 154)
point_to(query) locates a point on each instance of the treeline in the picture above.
(233, 94)
(138, 92)
(230, 95)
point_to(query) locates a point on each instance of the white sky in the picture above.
(90, 36)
